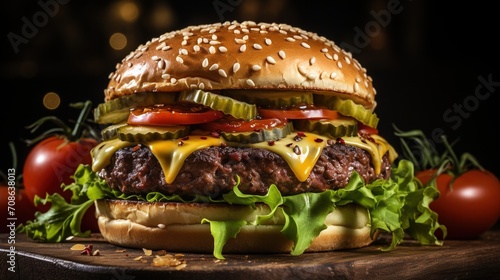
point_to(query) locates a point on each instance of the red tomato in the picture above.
(14, 200)
(230, 124)
(469, 206)
(364, 129)
(172, 115)
(309, 112)
(51, 163)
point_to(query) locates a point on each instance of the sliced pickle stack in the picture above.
(347, 107)
(150, 133)
(111, 132)
(261, 135)
(228, 105)
(273, 99)
(117, 110)
(340, 127)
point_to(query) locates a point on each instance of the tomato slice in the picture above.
(298, 113)
(364, 129)
(167, 115)
(230, 124)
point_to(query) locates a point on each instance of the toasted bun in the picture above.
(177, 227)
(243, 55)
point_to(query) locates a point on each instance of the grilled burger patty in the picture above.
(211, 171)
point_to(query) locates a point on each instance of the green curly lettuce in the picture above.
(397, 206)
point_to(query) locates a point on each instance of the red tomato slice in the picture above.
(364, 129)
(309, 112)
(167, 115)
(229, 124)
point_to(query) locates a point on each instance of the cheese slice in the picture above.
(300, 152)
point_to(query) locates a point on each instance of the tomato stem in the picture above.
(76, 133)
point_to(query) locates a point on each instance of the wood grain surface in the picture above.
(473, 259)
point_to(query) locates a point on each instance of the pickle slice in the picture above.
(111, 132)
(281, 99)
(340, 127)
(347, 107)
(150, 133)
(228, 105)
(259, 135)
(116, 110)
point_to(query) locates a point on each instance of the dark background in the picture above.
(425, 58)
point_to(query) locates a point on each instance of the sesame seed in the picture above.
(305, 45)
(201, 86)
(166, 48)
(329, 56)
(282, 54)
(129, 64)
(256, 67)
(211, 49)
(333, 75)
(204, 63)
(358, 79)
(165, 76)
(173, 80)
(214, 37)
(339, 64)
(324, 50)
(243, 48)
(214, 66)
(312, 60)
(196, 48)
(214, 42)
(184, 42)
(222, 49)
(205, 40)
(161, 64)
(199, 41)
(250, 82)
(239, 41)
(356, 87)
(161, 226)
(290, 39)
(183, 51)
(236, 31)
(268, 41)
(297, 37)
(312, 76)
(179, 59)
(245, 37)
(335, 57)
(257, 46)
(283, 32)
(236, 67)
(222, 73)
(271, 60)
(347, 60)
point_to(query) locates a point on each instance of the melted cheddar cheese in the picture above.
(301, 154)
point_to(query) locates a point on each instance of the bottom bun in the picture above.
(177, 227)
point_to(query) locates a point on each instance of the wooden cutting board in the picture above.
(454, 260)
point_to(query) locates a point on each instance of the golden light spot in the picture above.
(118, 41)
(128, 11)
(51, 100)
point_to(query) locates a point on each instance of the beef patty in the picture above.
(213, 171)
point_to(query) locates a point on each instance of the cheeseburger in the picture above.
(247, 138)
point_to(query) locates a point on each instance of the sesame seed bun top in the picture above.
(244, 55)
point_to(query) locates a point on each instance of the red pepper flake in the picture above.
(136, 148)
(318, 140)
(257, 130)
(270, 143)
(185, 138)
(301, 134)
(289, 145)
(215, 134)
(340, 141)
(87, 250)
(203, 138)
(296, 150)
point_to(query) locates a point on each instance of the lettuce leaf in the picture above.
(399, 206)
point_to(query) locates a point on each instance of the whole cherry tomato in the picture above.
(469, 205)
(53, 161)
(469, 200)
(15, 204)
